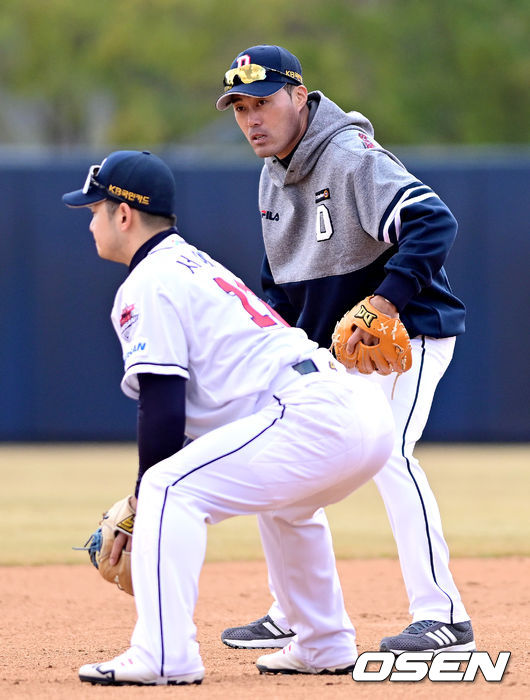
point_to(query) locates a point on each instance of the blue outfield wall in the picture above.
(61, 362)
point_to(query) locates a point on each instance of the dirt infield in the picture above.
(56, 618)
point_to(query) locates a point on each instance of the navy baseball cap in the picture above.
(260, 71)
(138, 178)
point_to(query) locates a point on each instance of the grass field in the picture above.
(52, 497)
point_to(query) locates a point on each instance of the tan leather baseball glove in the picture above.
(391, 354)
(119, 518)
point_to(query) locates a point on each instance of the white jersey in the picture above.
(180, 312)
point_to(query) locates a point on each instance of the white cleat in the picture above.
(128, 670)
(286, 661)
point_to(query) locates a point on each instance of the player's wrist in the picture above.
(384, 305)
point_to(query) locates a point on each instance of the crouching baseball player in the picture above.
(277, 425)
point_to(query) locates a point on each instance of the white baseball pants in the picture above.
(410, 503)
(321, 436)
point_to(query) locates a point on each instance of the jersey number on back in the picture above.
(243, 293)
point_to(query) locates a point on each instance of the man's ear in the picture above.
(300, 96)
(125, 216)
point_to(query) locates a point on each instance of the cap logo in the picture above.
(294, 74)
(131, 196)
(243, 60)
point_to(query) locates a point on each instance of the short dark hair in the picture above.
(152, 221)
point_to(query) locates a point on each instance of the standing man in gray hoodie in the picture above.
(343, 219)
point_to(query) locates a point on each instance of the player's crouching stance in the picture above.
(277, 425)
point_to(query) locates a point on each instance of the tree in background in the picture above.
(149, 71)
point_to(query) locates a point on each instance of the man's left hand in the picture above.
(358, 335)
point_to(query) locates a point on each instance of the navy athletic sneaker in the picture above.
(261, 634)
(430, 635)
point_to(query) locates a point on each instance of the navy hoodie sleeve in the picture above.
(424, 230)
(161, 419)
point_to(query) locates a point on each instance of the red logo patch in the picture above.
(366, 141)
(126, 315)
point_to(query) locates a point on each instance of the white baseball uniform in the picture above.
(268, 438)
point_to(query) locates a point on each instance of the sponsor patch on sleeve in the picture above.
(128, 318)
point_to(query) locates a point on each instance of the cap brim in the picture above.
(260, 88)
(79, 199)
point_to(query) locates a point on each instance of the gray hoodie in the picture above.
(346, 209)
(337, 155)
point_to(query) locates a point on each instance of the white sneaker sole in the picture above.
(191, 678)
(470, 646)
(257, 643)
(314, 672)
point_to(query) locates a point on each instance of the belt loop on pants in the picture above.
(305, 367)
